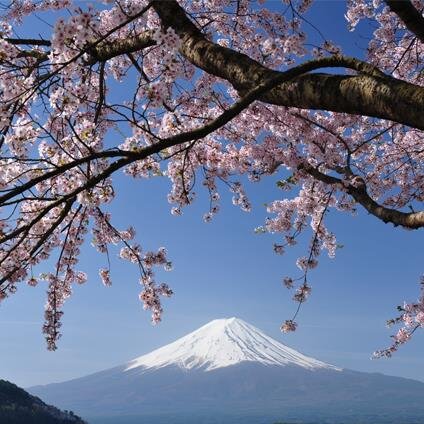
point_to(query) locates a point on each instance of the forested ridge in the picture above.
(18, 407)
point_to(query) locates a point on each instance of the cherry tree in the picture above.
(217, 93)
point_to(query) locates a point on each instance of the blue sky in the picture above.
(223, 269)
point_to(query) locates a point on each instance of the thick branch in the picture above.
(195, 134)
(410, 16)
(108, 50)
(411, 220)
(28, 41)
(369, 95)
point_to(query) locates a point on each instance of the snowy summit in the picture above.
(221, 343)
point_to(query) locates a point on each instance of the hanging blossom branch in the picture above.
(206, 111)
(350, 94)
(306, 263)
(410, 320)
(59, 288)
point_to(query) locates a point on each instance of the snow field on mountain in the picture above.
(221, 343)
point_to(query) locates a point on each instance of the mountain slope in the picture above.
(230, 372)
(222, 343)
(18, 407)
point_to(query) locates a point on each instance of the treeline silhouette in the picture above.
(19, 407)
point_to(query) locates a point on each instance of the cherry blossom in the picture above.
(217, 93)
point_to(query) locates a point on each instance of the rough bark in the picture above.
(410, 16)
(106, 51)
(370, 95)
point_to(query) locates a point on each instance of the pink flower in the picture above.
(81, 277)
(419, 318)
(32, 282)
(288, 282)
(302, 293)
(105, 276)
(289, 326)
(402, 335)
(278, 249)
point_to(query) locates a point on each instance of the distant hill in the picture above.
(18, 407)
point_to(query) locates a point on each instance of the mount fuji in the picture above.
(222, 343)
(228, 371)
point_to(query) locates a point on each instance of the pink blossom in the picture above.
(288, 326)
(68, 130)
(419, 318)
(402, 335)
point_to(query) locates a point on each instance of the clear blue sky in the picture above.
(223, 269)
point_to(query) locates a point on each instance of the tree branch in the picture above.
(371, 93)
(409, 15)
(108, 50)
(128, 157)
(28, 41)
(411, 220)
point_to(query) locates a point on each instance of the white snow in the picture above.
(221, 343)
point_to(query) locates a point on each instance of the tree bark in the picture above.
(410, 16)
(369, 95)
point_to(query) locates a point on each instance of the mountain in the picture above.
(18, 407)
(223, 343)
(228, 371)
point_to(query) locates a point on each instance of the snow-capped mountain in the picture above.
(222, 343)
(228, 371)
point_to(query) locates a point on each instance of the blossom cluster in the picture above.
(411, 318)
(68, 125)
